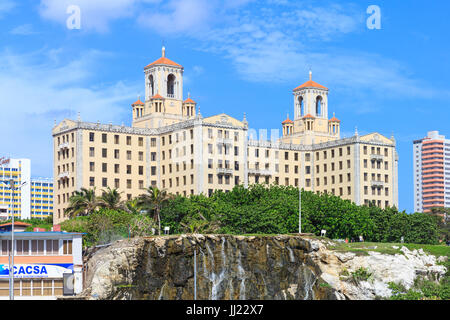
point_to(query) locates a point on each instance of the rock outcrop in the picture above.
(237, 267)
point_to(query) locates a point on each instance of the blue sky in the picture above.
(239, 56)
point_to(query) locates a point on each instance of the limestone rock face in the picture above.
(227, 267)
(235, 267)
(384, 268)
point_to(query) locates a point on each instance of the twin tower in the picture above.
(164, 105)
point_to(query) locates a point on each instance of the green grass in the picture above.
(362, 248)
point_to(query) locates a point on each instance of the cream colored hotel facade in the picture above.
(171, 146)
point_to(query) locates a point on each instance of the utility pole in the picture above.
(299, 210)
(13, 188)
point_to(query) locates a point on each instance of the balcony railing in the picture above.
(170, 95)
(225, 171)
(63, 175)
(64, 145)
(376, 157)
(377, 184)
(260, 172)
(224, 141)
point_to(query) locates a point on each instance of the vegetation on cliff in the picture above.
(259, 209)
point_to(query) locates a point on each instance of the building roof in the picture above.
(16, 224)
(138, 103)
(164, 61)
(311, 84)
(189, 100)
(287, 121)
(334, 119)
(308, 116)
(157, 96)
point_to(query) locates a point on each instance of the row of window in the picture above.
(37, 247)
(177, 137)
(33, 287)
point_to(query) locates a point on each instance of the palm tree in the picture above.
(133, 206)
(82, 203)
(110, 199)
(154, 200)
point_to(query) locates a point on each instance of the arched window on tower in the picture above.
(151, 85)
(171, 86)
(319, 106)
(302, 106)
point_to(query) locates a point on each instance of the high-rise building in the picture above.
(172, 146)
(431, 172)
(32, 200)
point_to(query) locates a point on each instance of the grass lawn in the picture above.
(362, 248)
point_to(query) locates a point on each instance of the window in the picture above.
(67, 247)
(104, 182)
(52, 247)
(91, 151)
(104, 153)
(104, 138)
(128, 155)
(116, 139)
(140, 142)
(128, 169)
(141, 156)
(91, 166)
(91, 136)
(116, 154)
(104, 167)
(128, 140)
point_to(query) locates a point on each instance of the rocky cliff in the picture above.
(237, 267)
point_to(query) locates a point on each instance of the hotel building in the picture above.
(172, 146)
(431, 172)
(32, 200)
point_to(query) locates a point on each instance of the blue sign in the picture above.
(37, 270)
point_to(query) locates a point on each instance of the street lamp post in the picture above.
(12, 187)
(299, 210)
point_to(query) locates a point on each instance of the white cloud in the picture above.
(95, 15)
(35, 94)
(6, 6)
(24, 30)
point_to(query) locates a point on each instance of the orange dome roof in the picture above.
(157, 96)
(164, 61)
(138, 103)
(189, 100)
(308, 116)
(287, 121)
(311, 84)
(334, 119)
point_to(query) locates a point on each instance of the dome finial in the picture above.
(310, 74)
(163, 51)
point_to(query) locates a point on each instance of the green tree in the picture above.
(82, 203)
(111, 199)
(153, 201)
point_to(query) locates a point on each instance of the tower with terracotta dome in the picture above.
(164, 103)
(311, 124)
